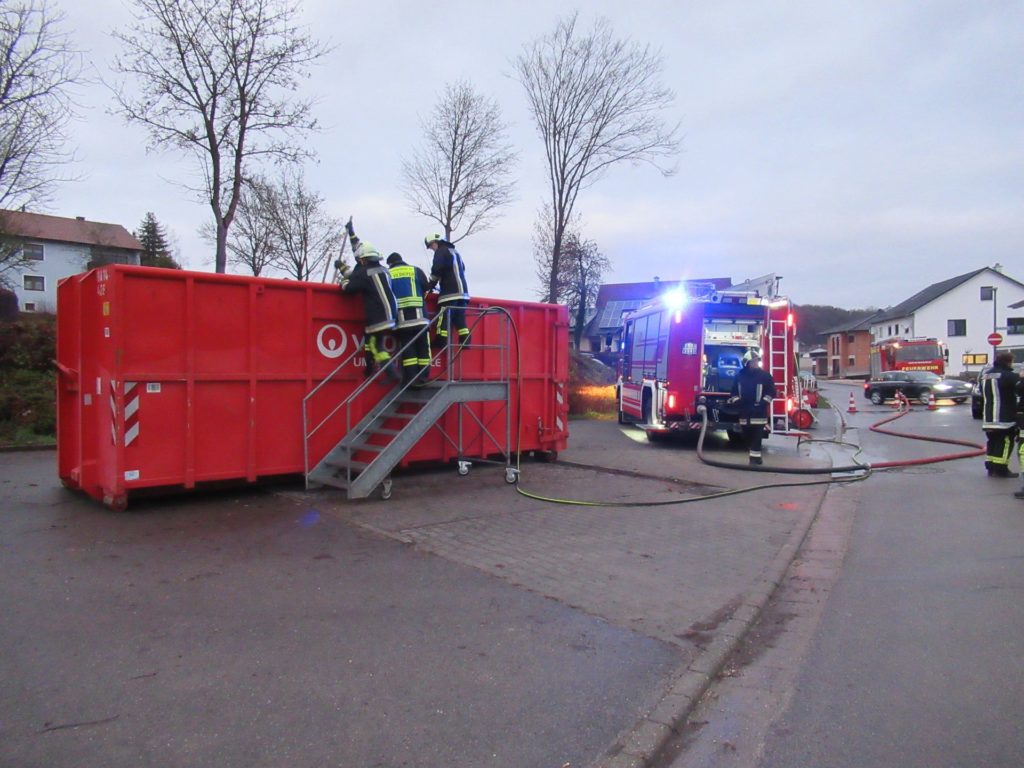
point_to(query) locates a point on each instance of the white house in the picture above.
(961, 312)
(57, 247)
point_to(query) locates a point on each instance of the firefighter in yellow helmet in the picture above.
(752, 392)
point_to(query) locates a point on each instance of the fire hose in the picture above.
(863, 470)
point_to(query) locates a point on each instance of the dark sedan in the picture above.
(976, 402)
(915, 385)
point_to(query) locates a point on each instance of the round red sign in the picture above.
(995, 339)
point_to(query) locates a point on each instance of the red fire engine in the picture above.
(685, 349)
(898, 354)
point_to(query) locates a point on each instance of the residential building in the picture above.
(57, 247)
(961, 312)
(848, 348)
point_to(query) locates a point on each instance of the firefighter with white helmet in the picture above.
(372, 281)
(449, 273)
(752, 392)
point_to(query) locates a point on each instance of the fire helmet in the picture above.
(433, 237)
(367, 251)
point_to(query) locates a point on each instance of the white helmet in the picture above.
(367, 251)
(751, 355)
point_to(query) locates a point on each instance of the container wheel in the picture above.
(464, 468)
(510, 475)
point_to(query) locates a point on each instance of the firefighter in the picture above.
(752, 393)
(999, 414)
(1020, 430)
(409, 285)
(373, 282)
(449, 273)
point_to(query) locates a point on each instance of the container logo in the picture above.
(332, 341)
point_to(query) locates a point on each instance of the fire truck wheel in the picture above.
(646, 410)
(876, 397)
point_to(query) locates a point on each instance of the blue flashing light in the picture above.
(674, 300)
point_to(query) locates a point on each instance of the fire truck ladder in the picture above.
(778, 358)
(370, 449)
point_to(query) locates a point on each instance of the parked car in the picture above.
(916, 385)
(976, 388)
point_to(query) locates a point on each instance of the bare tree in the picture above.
(38, 71)
(580, 268)
(305, 236)
(217, 78)
(251, 240)
(596, 101)
(459, 177)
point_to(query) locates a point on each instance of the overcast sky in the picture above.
(859, 149)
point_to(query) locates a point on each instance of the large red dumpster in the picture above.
(173, 379)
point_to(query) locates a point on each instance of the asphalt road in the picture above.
(912, 654)
(248, 629)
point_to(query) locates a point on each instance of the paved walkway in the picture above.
(667, 589)
(694, 575)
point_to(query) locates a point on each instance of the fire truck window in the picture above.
(639, 348)
(664, 327)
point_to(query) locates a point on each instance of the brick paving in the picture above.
(674, 573)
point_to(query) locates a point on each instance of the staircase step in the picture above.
(356, 466)
(372, 447)
(383, 431)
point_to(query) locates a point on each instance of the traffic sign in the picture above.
(995, 339)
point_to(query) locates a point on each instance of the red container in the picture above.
(170, 379)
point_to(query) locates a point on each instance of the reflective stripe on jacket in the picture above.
(409, 284)
(999, 398)
(450, 273)
(755, 389)
(378, 301)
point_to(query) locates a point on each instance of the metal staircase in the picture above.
(369, 450)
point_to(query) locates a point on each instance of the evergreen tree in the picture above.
(155, 250)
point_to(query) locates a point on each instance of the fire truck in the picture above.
(685, 348)
(899, 354)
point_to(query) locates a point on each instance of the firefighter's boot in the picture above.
(1001, 470)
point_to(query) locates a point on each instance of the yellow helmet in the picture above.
(432, 238)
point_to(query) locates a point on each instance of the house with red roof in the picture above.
(50, 248)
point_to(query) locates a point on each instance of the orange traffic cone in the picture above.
(853, 405)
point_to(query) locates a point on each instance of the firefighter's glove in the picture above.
(342, 267)
(349, 228)
(732, 401)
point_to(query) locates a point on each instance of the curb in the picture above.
(643, 742)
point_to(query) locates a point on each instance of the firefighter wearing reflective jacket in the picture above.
(371, 280)
(449, 273)
(999, 414)
(409, 285)
(752, 392)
